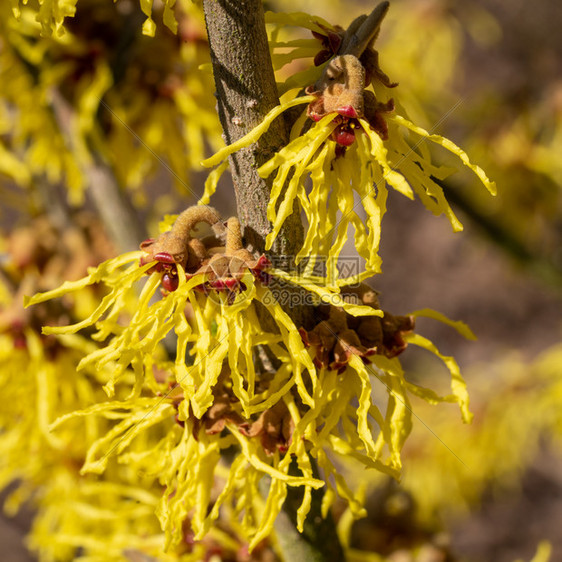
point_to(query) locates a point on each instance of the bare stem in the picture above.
(363, 31)
(118, 214)
(246, 92)
(114, 207)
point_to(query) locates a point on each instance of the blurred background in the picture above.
(101, 134)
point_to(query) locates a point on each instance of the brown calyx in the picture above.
(222, 258)
(335, 342)
(331, 41)
(341, 335)
(221, 412)
(341, 90)
(355, 65)
(177, 245)
(274, 427)
(383, 334)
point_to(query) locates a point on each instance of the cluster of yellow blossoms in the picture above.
(211, 388)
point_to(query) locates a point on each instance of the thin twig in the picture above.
(358, 38)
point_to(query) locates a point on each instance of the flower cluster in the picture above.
(210, 384)
(70, 103)
(218, 392)
(222, 260)
(329, 164)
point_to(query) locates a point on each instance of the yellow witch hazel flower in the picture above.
(39, 382)
(208, 366)
(216, 279)
(108, 517)
(69, 106)
(346, 145)
(216, 391)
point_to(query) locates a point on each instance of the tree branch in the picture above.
(118, 215)
(246, 92)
